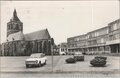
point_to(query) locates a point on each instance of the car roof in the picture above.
(78, 52)
(37, 55)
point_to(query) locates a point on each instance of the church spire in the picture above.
(14, 13)
(15, 18)
(15, 25)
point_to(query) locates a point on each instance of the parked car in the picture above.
(36, 59)
(62, 53)
(98, 61)
(70, 53)
(70, 60)
(78, 56)
(101, 57)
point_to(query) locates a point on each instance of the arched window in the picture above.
(39, 47)
(17, 27)
(45, 47)
(49, 47)
(9, 27)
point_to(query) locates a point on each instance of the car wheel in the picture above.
(39, 64)
(27, 66)
(45, 62)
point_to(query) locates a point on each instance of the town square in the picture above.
(60, 38)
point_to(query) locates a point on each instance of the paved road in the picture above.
(17, 64)
(113, 64)
(53, 75)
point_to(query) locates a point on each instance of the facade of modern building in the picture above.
(103, 40)
(96, 41)
(114, 36)
(77, 43)
(18, 43)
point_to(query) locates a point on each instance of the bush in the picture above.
(101, 57)
(98, 62)
(70, 60)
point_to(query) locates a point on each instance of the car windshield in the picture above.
(35, 56)
(78, 53)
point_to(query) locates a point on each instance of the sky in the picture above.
(63, 19)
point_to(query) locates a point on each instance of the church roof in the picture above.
(16, 36)
(42, 34)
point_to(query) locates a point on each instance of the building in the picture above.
(96, 41)
(18, 43)
(103, 40)
(0, 49)
(77, 43)
(114, 36)
(63, 48)
(55, 50)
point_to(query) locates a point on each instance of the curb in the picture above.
(63, 72)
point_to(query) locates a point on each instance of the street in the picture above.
(17, 64)
(14, 67)
(71, 39)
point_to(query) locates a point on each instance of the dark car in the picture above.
(78, 56)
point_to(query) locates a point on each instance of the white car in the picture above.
(62, 53)
(36, 59)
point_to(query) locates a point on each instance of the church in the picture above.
(20, 44)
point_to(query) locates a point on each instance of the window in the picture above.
(42, 55)
(119, 35)
(13, 39)
(114, 27)
(78, 39)
(118, 25)
(102, 40)
(111, 37)
(17, 27)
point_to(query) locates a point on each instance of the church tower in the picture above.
(15, 25)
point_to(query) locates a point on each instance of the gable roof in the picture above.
(16, 36)
(42, 34)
